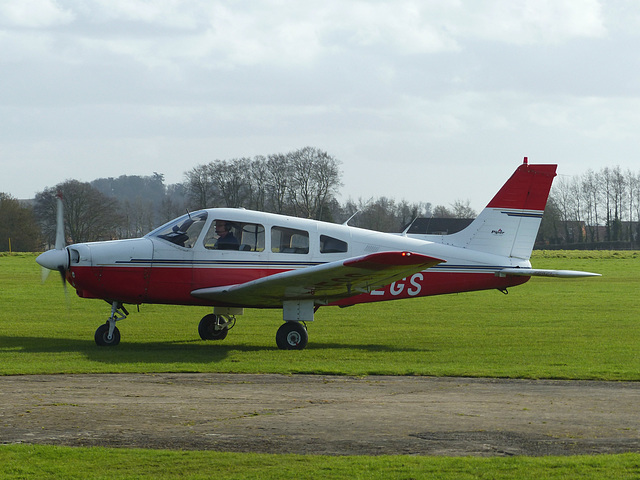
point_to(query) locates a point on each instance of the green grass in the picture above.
(547, 328)
(30, 461)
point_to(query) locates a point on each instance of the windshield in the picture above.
(183, 231)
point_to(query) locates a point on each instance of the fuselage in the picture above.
(188, 254)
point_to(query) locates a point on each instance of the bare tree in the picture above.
(407, 212)
(200, 188)
(174, 202)
(378, 214)
(634, 204)
(589, 192)
(551, 223)
(609, 198)
(440, 211)
(88, 214)
(612, 189)
(315, 176)
(618, 192)
(383, 213)
(462, 209)
(258, 183)
(18, 228)
(565, 200)
(278, 180)
(326, 175)
(231, 180)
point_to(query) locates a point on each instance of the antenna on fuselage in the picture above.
(406, 230)
(188, 212)
(350, 218)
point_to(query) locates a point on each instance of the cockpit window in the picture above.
(232, 235)
(184, 231)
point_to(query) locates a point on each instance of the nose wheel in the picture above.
(104, 339)
(108, 335)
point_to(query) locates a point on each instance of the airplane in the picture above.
(231, 259)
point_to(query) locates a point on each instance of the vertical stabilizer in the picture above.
(509, 224)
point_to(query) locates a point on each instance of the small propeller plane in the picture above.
(231, 259)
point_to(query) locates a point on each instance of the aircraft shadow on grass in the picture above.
(195, 351)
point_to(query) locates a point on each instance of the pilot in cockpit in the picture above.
(226, 238)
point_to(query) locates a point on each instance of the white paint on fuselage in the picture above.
(360, 242)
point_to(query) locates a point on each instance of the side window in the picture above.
(252, 237)
(185, 231)
(231, 235)
(332, 245)
(289, 240)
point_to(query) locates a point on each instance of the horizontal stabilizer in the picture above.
(537, 272)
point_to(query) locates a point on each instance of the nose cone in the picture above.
(54, 259)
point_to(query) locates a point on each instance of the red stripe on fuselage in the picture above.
(173, 285)
(166, 285)
(427, 283)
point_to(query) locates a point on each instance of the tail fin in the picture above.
(509, 224)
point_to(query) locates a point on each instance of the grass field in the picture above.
(547, 328)
(22, 461)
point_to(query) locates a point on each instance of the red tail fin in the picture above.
(509, 224)
(527, 189)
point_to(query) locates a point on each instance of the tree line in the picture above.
(304, 182)
(594, 207)
(601, 206)
(301, 183)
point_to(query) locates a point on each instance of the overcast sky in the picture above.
(428, 101)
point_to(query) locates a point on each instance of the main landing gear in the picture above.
(215, 327)
(292, 335)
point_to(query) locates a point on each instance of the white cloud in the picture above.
(34, 14)
(368, 80)
(593, 118)
(523, 22)
(290, 34)
(171, 14)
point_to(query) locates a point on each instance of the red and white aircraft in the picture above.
(234, 258)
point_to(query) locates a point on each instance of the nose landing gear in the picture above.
(108, 335)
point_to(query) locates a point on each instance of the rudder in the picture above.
(509, 224)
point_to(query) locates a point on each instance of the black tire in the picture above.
(292, 336)
(207, 328)
(102, 334)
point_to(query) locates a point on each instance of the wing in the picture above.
(323, 283)
(537, 272)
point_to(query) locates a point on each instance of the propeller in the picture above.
(58, 257)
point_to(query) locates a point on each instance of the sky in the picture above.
(426, 101)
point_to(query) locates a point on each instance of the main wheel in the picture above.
(292, 336)
(207, 328)
(102, 336)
